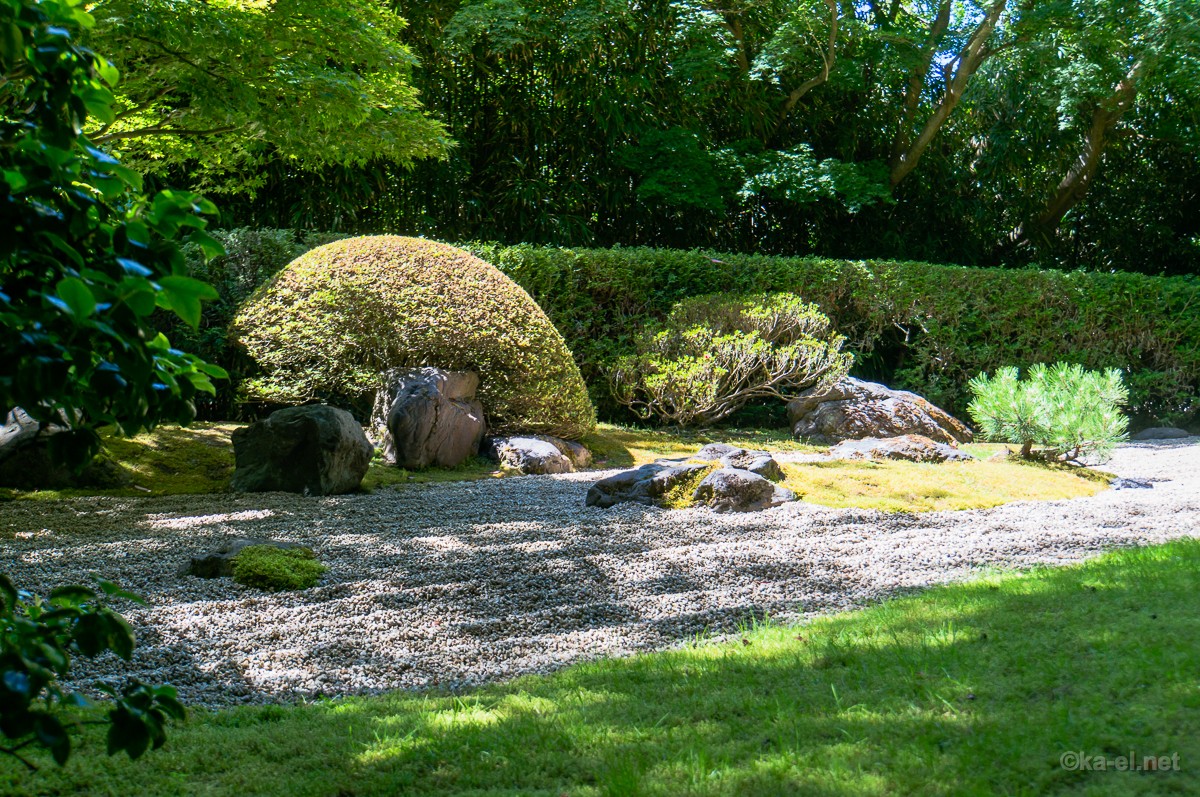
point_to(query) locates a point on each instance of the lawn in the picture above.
(972, 688)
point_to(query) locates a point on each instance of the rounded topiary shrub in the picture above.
(330, 324)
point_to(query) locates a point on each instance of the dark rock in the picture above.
(427, 416)
(312, 449)
(1161, 433)
(760, 462)
(219, 563)
(25, 462)
(714, 451)
(578, 453)
(1130, 484)
(529, 455)
(911, 447)
(645, 485)
(853, 409)
(736, 490)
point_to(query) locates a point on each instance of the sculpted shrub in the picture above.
(714, 354)
(1066, 409)
(331, 323)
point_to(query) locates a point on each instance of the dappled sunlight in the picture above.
(175, 523)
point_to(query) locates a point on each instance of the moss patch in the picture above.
(680, 496)
(927, 487)
(275, 569)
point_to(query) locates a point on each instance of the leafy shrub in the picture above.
(334, 320)
(270, 568)
(714, 354)
(1063, 406)
(38, 637)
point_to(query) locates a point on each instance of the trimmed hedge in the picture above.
(923, 327)
(330, 324)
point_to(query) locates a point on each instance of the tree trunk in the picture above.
(907, 151)
(1074, 186)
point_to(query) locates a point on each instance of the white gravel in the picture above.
(452, 584)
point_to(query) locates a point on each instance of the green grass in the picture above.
(973, 688)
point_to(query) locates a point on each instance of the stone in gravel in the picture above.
(427, 416)
(854, 409)
(760, 462)
(578, 453)
(735, 490)
(714, 451)
(1130, 484)
(219, 563)
(911, 447)
(314, 449)
(645, 485)
(1162, 433)
(528, 455)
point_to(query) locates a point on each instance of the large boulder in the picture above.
(910, 447)
(427, 416)
(315, 449)
(528, 455)
(854, 409)
(335, 318)
(1162, 433)
(736, 490)
(647, 485)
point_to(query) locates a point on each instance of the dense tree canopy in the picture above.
(973, 131)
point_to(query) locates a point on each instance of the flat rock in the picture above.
(758, 462)
(911, 447)
(736, 490)
(315, 449)
(855, 409)
(219, 562)
(428, 417)
(1131, 484)
(1161, 433)
(528, 455)
(645, 485)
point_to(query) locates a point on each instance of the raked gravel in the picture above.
(457, 583)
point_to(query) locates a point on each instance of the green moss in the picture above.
(339, 316)
(680, 496)
(274, 569)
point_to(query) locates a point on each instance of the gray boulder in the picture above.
(1162, 433)
(911, 447)
(313, 449)
(26, 464)
(19, 430)
(530, 455)
(759, 462)
(736, 490)
(427, 416)
(853, 409)
(714, 451)
(219, 562)
(578, 453)
(647, 485)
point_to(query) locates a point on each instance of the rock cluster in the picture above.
(1162, 433)
(734, 480)
(853, 409)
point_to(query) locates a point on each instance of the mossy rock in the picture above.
(272, 568)
(330, 324)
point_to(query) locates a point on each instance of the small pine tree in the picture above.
(1062, 407)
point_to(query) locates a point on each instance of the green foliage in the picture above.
(1063, 406)
(38, 638)
(715, 354)
(270, 568)
(923, 327)
(87, 257)
(226, 87)
(336, 319)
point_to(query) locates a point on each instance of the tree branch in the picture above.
(827, 60)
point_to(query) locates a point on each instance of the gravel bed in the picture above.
(458, 583)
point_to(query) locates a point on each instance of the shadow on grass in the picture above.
(977, 688)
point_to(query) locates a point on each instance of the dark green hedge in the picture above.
(923, 327)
